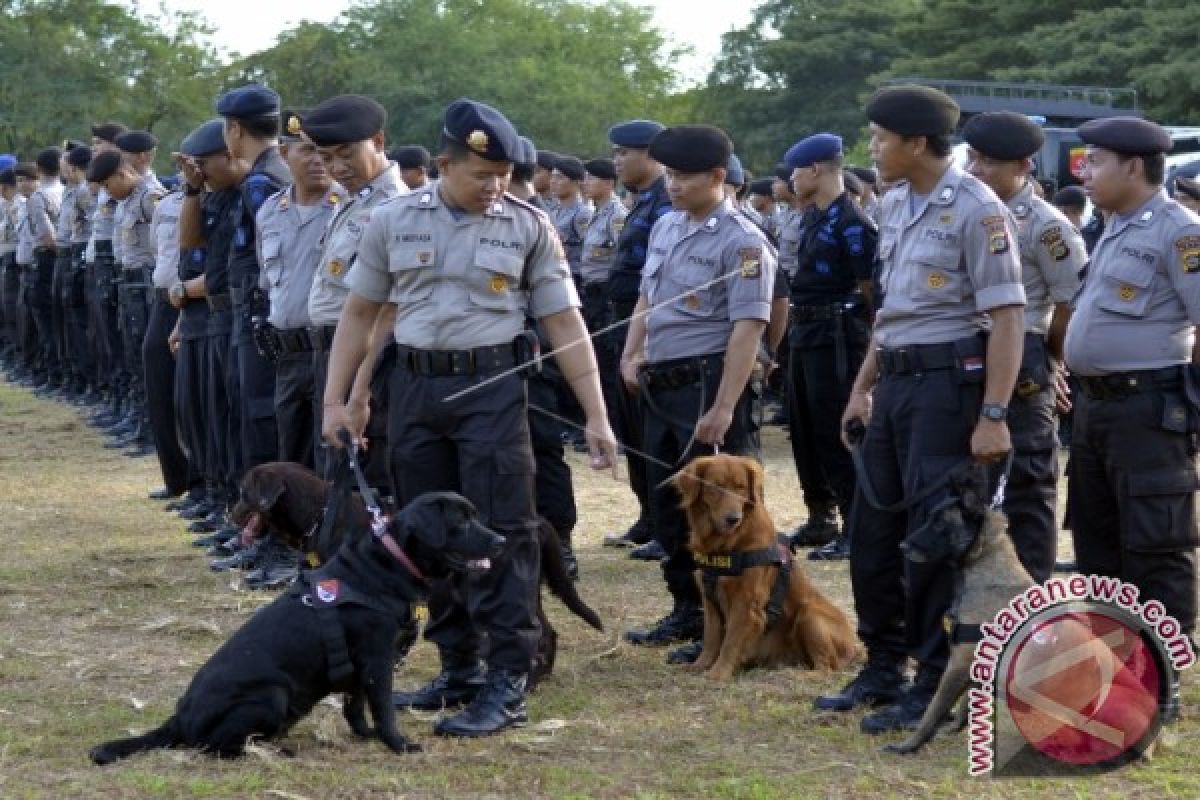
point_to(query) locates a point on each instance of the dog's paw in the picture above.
(695, 666)
(901, 748)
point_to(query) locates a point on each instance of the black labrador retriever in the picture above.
(288, 500)
(334, 631)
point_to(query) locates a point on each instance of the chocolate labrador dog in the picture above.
(334, 631)
(289, 501)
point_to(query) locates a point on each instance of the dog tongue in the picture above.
(250, 532)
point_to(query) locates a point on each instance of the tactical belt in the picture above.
(676, 374)
(715, 567)
(219, 302)
(321, 337)
(916, 358)
(1120, 385)
(441, 363)
(291, 340)
(815, 313)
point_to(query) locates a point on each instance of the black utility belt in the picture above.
(825, 311)
(1120, 385)
(291, 340)
(443, 363)
(677, 373)
(320, 337)
(966, 355)
(219, 302)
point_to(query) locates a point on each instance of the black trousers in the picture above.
(1133, 487)
(222, 432)
(920, 429)
(27, 339)
(160, 366)
(75, 319)
(40, 296)
(134, 319)
(479, 446)
(10, 289)
(60, 282)
(102, 320)
(192, 411)
(554, 494)
(668, 421)
(377, 465)
(295, 405)
(257, 433)
(625, 410)
(1031, 497)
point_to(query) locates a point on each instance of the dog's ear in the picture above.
(426, 521)
(689, 482)
(754, 481)
(263, 489)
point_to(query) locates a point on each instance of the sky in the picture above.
(682, 20)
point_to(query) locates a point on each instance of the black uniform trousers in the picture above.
(134, 319)
(920, 429)
(377, 464)
(60, 283)
(192, 412)
(160, 366)
(554, 494)
(479, 446)
(295, 405)
(1031, 497)
(625, 413)
(40, 297)
(675, 395)
(75, 323)
(10, 288)
(258, 437)
(102, 327)
(222, 433)
(1133, 486)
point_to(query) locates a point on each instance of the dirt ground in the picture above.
(106, 611)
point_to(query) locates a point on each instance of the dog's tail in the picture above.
(162, 736)
(554, 573)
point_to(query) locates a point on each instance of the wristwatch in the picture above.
(994, 411)
(193, 191)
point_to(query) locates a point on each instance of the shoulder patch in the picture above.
(750, 261)
(1188, 250)
(995, 221)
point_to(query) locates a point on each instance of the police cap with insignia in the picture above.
(482, 130)
(7, 161)
(813, 149)
(1131, 136)
(8, 177)
(25, 169)
(251, 100)
(734, 174)
(601, 168)
(292, 124)
(692, 148)
(136, 142)
(49, 159)
(572, 167)
(206, 140)
(913, 111)
(103, 166)
(636, 133)
(1188, 186)
(1071, 197)
(108, 131)
(1003, 135)
(547, 159)
(411, 156)
(762, 186)
(344, 119)
(79, 156)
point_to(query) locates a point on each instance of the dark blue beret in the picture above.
(547, 159)
(49, 159)
(634, 133)
(344, 119)
(1131, 136)
(601, 168)
(291, 124)
(815, 148)
(913, 111)
(103, 166)
(411, 156)
(762, 186)
(8, 177)
(529, 153)
(1003, 135)
(481, 129)
(136, 142)
(206, 140)
(692, 148)
(108, 131)
(79, 156)
(252, 100)
(7, 161)
(734, 174)
(572, 167)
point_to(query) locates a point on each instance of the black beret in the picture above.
(25, 170)
(853, 184)
(692, 148)
(783, 172)
(529, 154)
(1189, 186)
(1003, 135)
(913, 111)
(8, 177)
(601, 168)
(1071, 197)
(867, 175)
(71, 144)
(734, 174)
(206, 140)
(49, 159)
(1130, 136)
(634, 133)
(108, 131)
(104, 166)
(411, 156)
(251, 100)
(292, 124)
(79, 156)
(136, 142)
(572, 167)
(547, 159)
(762, 186)
(344, 119)
(481, 129)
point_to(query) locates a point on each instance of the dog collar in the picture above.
(392, 546)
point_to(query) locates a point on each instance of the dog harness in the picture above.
(717, 566)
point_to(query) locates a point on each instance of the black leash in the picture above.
(379, 522)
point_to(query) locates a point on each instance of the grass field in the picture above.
(106, 611)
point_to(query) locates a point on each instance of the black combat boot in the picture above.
(906, 712)
(453, 687)
(837, 550)
(568, 554)
(499, 704)
(819, 529)
(650, 551)
(638, 533)
(880, 681)
(686, 653)
(685, 623)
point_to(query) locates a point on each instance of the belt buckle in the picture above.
(457, 358)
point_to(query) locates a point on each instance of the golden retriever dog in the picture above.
(734, 539)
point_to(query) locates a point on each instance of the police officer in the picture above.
(32, 368)
(693, 341)
(643, 177)
(1130, 343)
(571, 213)
(9, 274)
(413, 161)
(466, 263)
(1002, 145)
(41, 221)
(831, 309)
(1072, 202)
(251, 116)
(78, 334)
(62, 276)
(599, 250)
(348, 132)
(546, 161)
(290, 225)
(933, 389)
